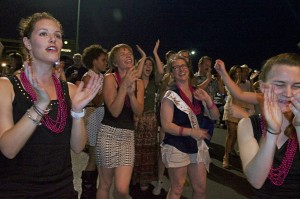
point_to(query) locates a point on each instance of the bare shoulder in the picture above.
(245, 129)
(6, 88)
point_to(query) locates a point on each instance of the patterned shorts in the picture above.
(115, 147)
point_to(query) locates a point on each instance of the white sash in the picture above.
(203, 154)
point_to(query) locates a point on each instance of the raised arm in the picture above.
(235, 90)
(159, 64)
(80, 97)
(141, 62)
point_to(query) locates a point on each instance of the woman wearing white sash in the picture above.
(183, 149)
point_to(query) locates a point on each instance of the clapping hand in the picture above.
(295, 107)
(141, 51)
(42, 97)
(272, 111)
(85, 93)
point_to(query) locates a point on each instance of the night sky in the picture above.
(238, 32)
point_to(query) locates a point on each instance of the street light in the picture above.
(77, 28)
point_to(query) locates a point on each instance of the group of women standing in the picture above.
(41, 119)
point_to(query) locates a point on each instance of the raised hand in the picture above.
(156, 47)
(129, 80)
(42, 96)
(84, 95)
(141, 51)
(295, 107)
(220, 67)
(272, 111)
(202, 95)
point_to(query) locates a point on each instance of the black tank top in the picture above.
(42, 169)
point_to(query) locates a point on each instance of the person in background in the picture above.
(233, 111)
(94, 58)
(269, 143)
(15, 63)
(41, 118)
(164, 83)
(75, 72)
(184, 150)
(146, 154)
(123, 97)
(212, 85)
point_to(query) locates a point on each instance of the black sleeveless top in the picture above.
(185, 144)
(291, 186)
(123, 121)
(42, 169)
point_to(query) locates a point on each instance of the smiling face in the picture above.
(148, 68)
(125, 58)
(286, 82)
(180, 70)
(45, 42)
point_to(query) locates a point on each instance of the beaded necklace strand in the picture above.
(277, 175)
(57, 125)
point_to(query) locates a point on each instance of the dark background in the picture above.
(238, 32)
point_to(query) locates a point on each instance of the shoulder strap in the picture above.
(255, 120)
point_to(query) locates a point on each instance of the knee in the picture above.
(200, 190)
(177, 189)
(121, 192)
(105, 185)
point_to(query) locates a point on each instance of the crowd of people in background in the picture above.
(139, 117)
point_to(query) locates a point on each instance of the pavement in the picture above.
(221, 183)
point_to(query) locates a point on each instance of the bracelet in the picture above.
(272, 132)
(211, 106)
(40, 111)
(79, 115)
(181, 131)
(38, 123)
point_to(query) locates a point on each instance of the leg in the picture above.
(106, 177)
(161, 167)
(177, 178)
(122, 181)
(228, 142)
(197, 174)
(89, 177)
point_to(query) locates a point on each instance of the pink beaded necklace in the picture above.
(196, 108)
(277, 175)
(57, 125)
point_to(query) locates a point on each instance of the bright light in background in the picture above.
(193, 52)
(65, 42)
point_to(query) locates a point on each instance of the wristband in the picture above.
(79, 115)
(181, 131)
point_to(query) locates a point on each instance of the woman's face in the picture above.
(45, 42)
(148, 67)
(238, 73)
(125, 59)
(286, 82)
(180, 70)
(100, 63)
